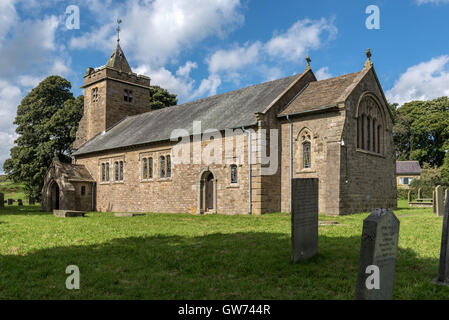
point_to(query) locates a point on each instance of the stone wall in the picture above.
(368, 180)
(178, 194)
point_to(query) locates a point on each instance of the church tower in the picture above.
(111, 93)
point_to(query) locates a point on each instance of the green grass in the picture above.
(168, 256)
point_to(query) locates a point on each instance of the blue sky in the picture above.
(197, 48)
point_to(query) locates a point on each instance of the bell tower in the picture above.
(111, 93)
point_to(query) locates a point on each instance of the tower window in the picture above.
(234, 177)
(83, 191)
(128, 95)
(94, 94)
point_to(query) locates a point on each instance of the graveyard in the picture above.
(184, 256)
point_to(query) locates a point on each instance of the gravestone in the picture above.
(304, 197)
(419, 193)
(434, 203)
(20, 202)
(409, 196)
(31, 201)
(2, 200)
(68, 213)
(10, 202)
(124, 214)
(439, 201)
(443, 270)
(379, 248)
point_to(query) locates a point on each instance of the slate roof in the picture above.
(324, 93)
(228, 110)
(408, 167)
(74, 172)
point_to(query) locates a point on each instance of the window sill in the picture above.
(371, 153)
(306, 171)
(233, 186)
(165, 179)
(118, 182)
(146, 180)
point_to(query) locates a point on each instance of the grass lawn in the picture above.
(167, 256)
(12, 190)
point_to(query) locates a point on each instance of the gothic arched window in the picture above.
(370, 125)
(305, 149)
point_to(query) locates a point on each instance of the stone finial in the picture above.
(368, 63)
(308, 62)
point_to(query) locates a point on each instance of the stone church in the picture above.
(338, 130)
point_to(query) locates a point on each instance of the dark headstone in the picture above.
(419, 193)
(68, 213)
(409, 196)
(2, 200)
(379, 248)
(443, 270)
(434, 202)
(31, 201)
(439, 201)
(10, 202)
(304, 219)
(20, 202)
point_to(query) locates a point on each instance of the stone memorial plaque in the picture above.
(443, 270)
(304, 197)
(379, 249)
(68, 213)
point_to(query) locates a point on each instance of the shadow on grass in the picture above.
(22, 210)
(216, 266)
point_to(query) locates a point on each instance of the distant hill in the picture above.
(10, 189)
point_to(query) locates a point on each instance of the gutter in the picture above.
(250, 207)
(320, 109)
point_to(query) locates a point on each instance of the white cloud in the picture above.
(234, 59)
(424, 81)
(302, 36)
(157, 31)
(8, 16)
(323, 73)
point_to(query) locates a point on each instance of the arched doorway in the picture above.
(208, 193)
(54, 196)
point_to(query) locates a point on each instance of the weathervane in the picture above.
(119, 21)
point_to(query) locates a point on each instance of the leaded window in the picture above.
(234, 177)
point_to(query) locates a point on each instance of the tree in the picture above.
(430, 178)
(161, 98)
(47, 120)
(421, 131)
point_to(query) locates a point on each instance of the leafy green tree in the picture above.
(47, 120)
(161, 98)
(430, 178)
(421, 131)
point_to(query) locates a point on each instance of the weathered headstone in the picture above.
(378, 252)
(68, 213)
(124, 214)
(2, 199)
(31, 201)
(419, 193)
(434, 203)
(10, 202)
(409, 196)
(439, 201)
(20, 202)
(304, 197)
(443, 270)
